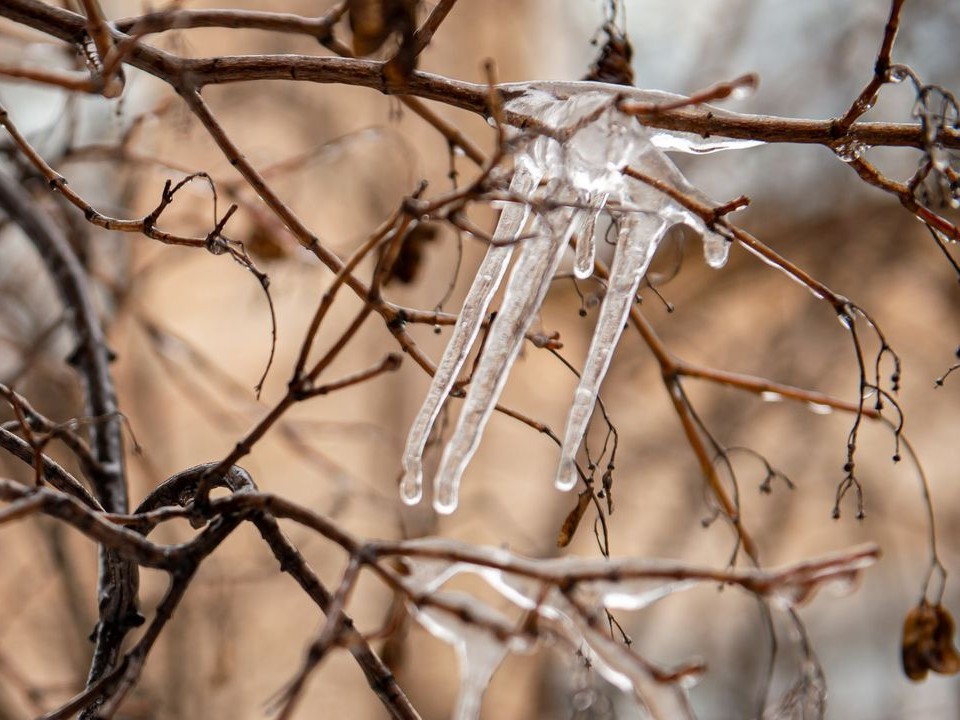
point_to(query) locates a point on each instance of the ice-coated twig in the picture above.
(577, 140)
(563, 599)
(487, 280)
(639, 236)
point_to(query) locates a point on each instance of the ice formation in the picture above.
(569, 613)
(568, 171)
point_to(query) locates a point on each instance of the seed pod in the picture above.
(927, 643)
(572, 521)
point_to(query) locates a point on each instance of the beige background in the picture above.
(241, 632)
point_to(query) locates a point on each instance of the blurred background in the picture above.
(192, 335)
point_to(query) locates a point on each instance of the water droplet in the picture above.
(411, 487)
(566, 474)
(770, 396)
(716, 250)
(583, 700)
(849, 149)
(745, 86)
(939, 157)
(819, 408)
(897, 74)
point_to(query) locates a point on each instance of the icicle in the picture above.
(716, 250)
(478, 663)
(582, 144)
(586, 239)
(697, 144)
(528, 284)
(640, 234)
(479, 651)
(622, 668)
(487, 280)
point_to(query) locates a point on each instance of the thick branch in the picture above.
(705, 121)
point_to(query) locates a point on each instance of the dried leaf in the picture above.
(409, 259)
(373, 21)
(572, 521)
(613, 63)
(264, 244)
(928, 644)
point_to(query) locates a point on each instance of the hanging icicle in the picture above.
(569, 171)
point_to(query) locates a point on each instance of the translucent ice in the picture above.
(474, 309)
(528, 285)
(569, 157)
(640, 234)
(479, 650)
(586, 240)
(562, 602)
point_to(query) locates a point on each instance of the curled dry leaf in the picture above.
(928, 643)
(409, 259)
(613, 63)
(572, 521)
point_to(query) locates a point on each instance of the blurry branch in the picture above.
(903, 192)
(794, 584)
(425, 32)
(91, 357)
(52, 473)
(33, 420)
(118, 581)
(320, 28)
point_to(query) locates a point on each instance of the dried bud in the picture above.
(927, 644)
(613, 63)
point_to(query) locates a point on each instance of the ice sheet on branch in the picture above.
(562, 601)
(568, 160)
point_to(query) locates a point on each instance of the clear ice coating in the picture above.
(639, 235)
(479, 652)
(563, 598)
(485, 284)
(568, 170)
(586, 239)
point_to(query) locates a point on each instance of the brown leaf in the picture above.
(409, 259)
(266, 245)
(373, 21)
(572, 521)
(613, 63)
(928, 644)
